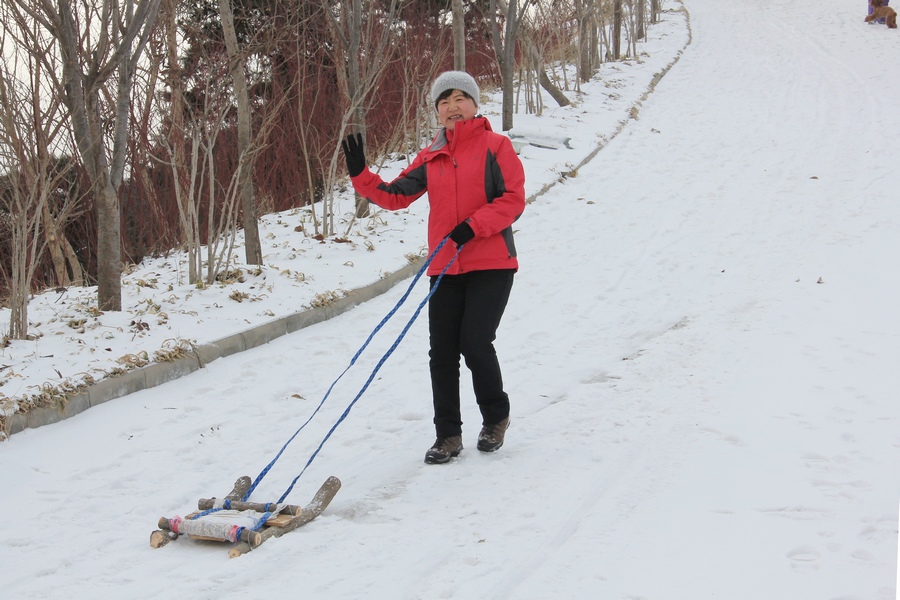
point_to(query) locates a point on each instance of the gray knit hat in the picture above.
(455, 80)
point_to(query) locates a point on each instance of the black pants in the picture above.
(463, 316)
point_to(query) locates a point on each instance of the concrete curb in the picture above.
(156, 374)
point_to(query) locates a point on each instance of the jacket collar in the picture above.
(462, 131)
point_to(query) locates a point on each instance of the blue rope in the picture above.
(390, 314)
(375, 371)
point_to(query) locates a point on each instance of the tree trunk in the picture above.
(57, 257)
(617, 29)
(18, 301)
(640, 30)
(120, 43)
(78, 276)
(62, 254)
(505, 50)
(543, 78)
(109, 219)
(551, 88)
(583, 10)
(356, 34)
(459, 36)
(176, 140)
(252, 246)
(354, 88)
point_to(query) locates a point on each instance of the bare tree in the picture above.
(362, 33)
(146, 209)
(617, 30)
(527, 35)
(638, 11)
(416, 87)
(209, 197)
(190, 154)
(237, 60)
(585, 11)
(35, 198)
(310, 138)
(505, 50)
(96, 41)
(459, 36)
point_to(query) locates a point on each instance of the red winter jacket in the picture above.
(471, 174)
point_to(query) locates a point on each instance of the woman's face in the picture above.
(455, 107)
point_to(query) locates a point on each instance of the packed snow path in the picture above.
(701, 352)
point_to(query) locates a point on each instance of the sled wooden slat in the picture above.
(275, 526)
(208, 503)
(280, 520)
(319, 503)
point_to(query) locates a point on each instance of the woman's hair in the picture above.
(446, 94)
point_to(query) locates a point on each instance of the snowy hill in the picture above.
(700, 350)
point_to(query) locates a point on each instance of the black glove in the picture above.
(355, 154)
(462, 233)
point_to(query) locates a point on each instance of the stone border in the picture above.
(158, 373)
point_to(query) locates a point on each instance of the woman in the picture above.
(476, 190)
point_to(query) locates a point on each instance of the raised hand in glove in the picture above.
(462, 233)
(355, 154)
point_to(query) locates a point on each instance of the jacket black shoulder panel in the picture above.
(411, 185)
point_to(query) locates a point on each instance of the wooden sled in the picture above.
(287, 519)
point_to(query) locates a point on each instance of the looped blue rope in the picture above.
(372, 376)
(390, 351)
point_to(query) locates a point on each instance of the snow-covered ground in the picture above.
(700, 350)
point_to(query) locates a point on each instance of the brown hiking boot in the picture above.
(443, 450)
(491, 436)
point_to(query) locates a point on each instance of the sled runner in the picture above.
(231, 520)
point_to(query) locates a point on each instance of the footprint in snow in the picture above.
(804, 559)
